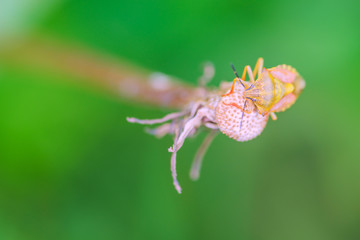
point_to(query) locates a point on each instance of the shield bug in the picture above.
(275, 90)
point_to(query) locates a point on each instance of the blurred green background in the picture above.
(72, 168)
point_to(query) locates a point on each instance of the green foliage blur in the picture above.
(71, 167)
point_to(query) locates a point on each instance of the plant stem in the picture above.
(116, 76)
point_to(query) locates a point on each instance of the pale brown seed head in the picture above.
(229, 112)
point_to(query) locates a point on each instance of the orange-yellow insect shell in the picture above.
(293, 83)
(264, 92)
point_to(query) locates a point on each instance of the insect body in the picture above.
(275, 90)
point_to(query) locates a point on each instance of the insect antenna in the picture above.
(251, 86)
(237, 76)
(242, 115)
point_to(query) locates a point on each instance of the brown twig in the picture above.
(113, 75)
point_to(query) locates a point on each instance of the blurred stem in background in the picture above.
(112, 75)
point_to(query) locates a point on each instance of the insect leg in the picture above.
(258, 67)
(273, 116)
(236, 79)
(248, 70)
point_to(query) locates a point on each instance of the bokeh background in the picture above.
(72, 168)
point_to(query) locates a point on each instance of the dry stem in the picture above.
(113, 75)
